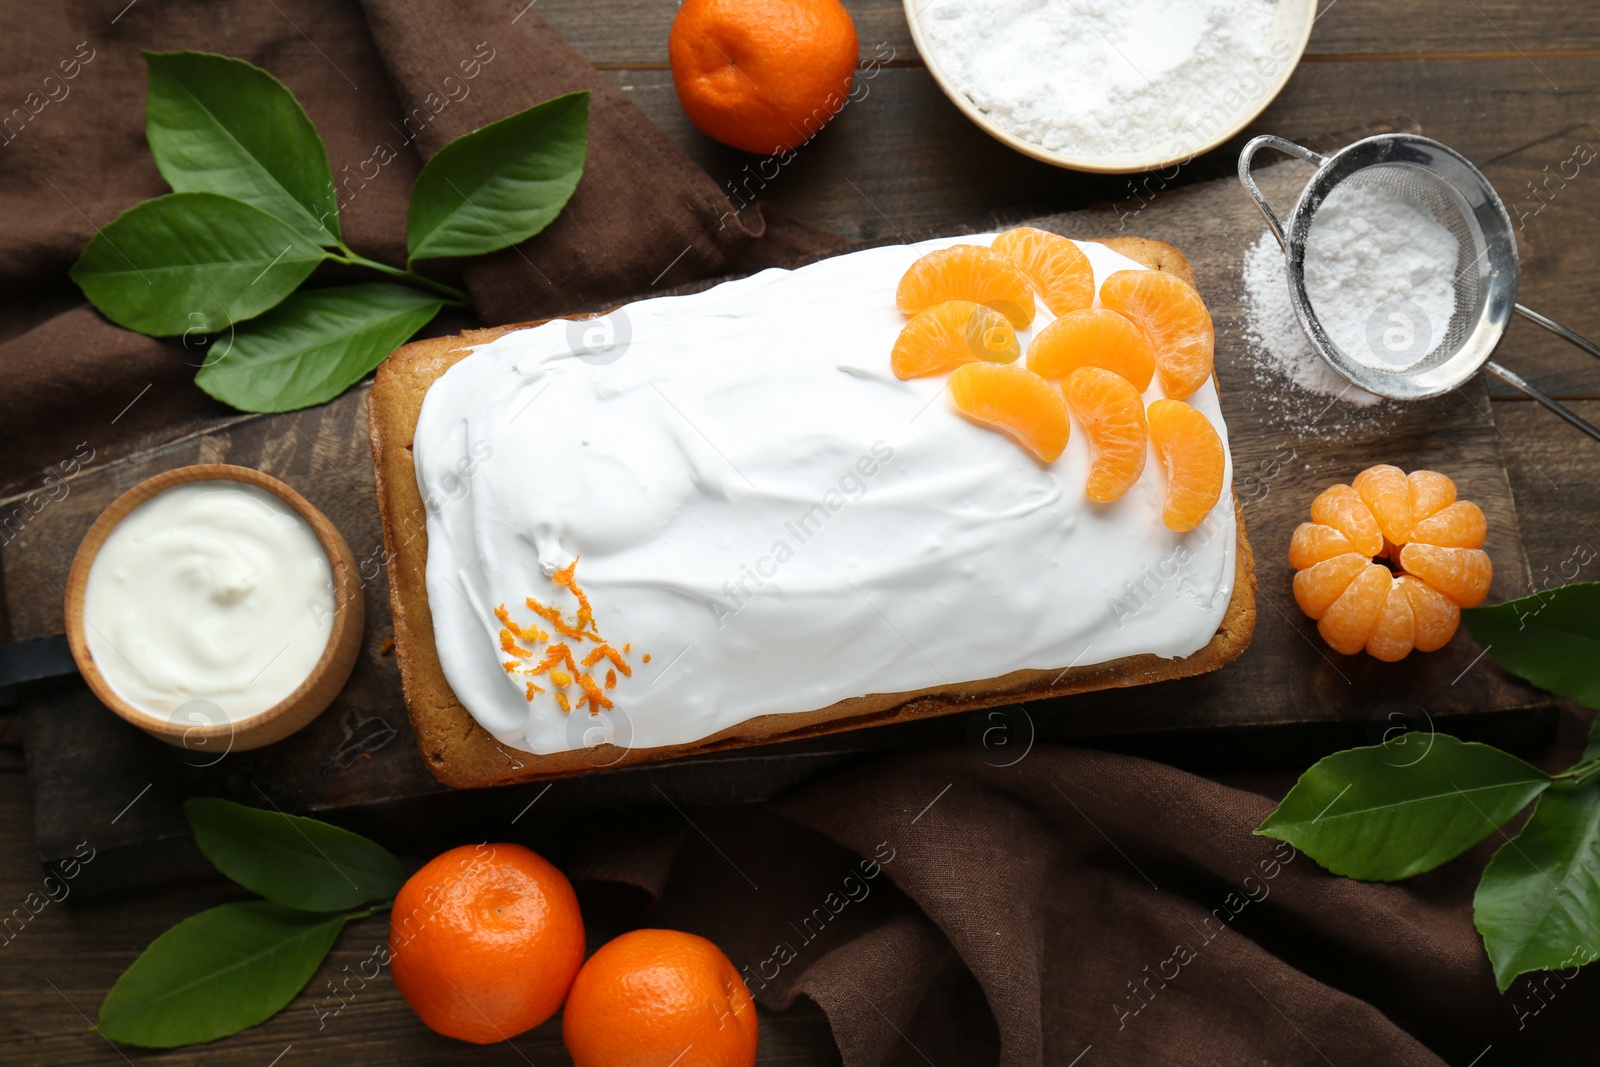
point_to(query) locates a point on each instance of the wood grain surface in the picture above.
(361, 757)
(1513, 85)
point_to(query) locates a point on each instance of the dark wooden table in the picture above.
(1514, 85)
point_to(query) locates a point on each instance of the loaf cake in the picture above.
(709, 521)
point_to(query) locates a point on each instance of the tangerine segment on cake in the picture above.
(967, 272)
(1173, 318)
(1093, 337)
(1195, 459)
(769, 530)
(1058, 269)
(1016, 400)
(1111, 412)
(947, 335)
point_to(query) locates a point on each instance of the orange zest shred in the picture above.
(556, 654)
(557, 661)
(577, 633)
(607, 652)
(530, 635)
(592, 693)
(564, 576)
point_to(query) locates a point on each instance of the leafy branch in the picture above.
(254, 212)
(1389, 811)
(239, 964)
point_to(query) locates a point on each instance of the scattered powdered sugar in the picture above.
(1293, 386)
(1274, 332)
(1109, 76)
(1380, 274)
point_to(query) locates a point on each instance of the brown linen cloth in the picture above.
(73, 156)
(1073, 908)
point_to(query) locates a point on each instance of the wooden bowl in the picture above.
(297, 709)
(1293, 27)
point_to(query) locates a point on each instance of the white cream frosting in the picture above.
(761, 506)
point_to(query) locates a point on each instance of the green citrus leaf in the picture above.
(192, 262)
(217, 973)
(291, 860)
(313, 346)
(1397, 809)
(1552, 639)
(221, 125)
(1538, 903)
(499, 185)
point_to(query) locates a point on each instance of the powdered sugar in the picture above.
(1275, 334)
(1380, 274)
(1109, 76)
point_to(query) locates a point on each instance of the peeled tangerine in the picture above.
(952, 333)
(1435, 564)
(1192, 453)
(1174, 319)
(1014, 399)
(967, 272)
(1057, 268)
(1111, 412)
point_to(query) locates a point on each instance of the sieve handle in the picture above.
(1522, 385)
(1559, 330)
(1247, 156)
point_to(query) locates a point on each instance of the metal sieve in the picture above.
(1409, 357)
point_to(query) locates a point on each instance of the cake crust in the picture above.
(461, 754)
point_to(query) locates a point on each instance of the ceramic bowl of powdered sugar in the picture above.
(1114, 86)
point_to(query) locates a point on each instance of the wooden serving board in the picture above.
(98, 780)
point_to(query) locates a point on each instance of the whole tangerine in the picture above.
(762, 75)
(654, 998)
(485, 940)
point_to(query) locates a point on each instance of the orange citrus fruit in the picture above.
(1014, 399)
(952, 333)
(762, 75)
(967, 272)
(1093, 337)
(484, 941)
(1175, 320)
(1057, 268)
(1433, 563)
(659, 998)
(1192, 452)
(1111, 412)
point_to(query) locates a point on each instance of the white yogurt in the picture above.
(214, 591)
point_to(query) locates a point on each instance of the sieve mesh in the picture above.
(1443, 183)
(1444, 202)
